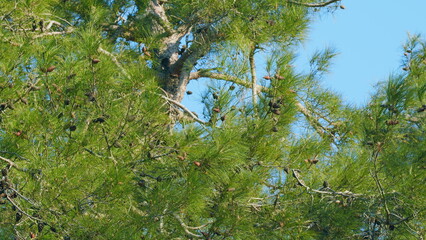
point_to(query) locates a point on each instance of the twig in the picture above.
(314, 122)
(12, 164)
(184, 109)
(322, 4)
(375, 176)
(311, 119)
(51, 22)
(114, 59)
(236, 80)
(19, 209)
(162, 220)
(185, 227)
(70, 30)
(22, 196)
(254, 85)
(164, 154)
(297, 176)
(93, 153)
(17, 155)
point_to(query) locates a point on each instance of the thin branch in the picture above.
(114, 59)
(12, 164)
(164, 154)
(302, 183)
(401, 220)
(314, 122)
(19, 209)
(22, 196)
(375, 176)
(321, 4)
(253, 75)
(70, 30)
(50, 24)
(185, 227)
(162, 220)
(184, 109)
(236, 80)
(93, 153)
(17, 155)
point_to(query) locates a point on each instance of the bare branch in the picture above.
(50, 24)
(314, 122)
(162, 221)
(93, 153)
(184, 109)
(321, 4)
(12, 164)
(236, 80)
(69, 30)
(185, 227)
(17, 155)
(22, 196)
(19, 209)
(114, 59)
(253, 75)
(298, 177)
(375, 176)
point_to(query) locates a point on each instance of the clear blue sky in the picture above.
(369, 35)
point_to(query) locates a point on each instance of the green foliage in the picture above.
(92, 149)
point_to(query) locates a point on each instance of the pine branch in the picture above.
(314, 122)
(114, 59)
(375, 176)
(309, 116)
(184, 109)
(17, 155)
(162, 221)
(11, 163)
(298, 177)
(322, 4)
(69, 30)
(23, 197)
(186, 227)
(229, 78)
(22, 211)
(50, 24)
(253, 75)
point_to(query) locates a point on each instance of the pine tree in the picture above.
(96, 143)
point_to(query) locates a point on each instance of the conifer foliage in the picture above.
(95, 142)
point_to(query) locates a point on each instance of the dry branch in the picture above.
(298, 177)
(184, 109)
(321, 4)
(12, 164)
(186, 227)
(114, 59)
(309, 116)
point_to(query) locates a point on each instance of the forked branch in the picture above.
(11, 163)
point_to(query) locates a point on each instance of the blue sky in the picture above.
(369, 35)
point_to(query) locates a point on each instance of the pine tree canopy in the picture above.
(95, 142)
